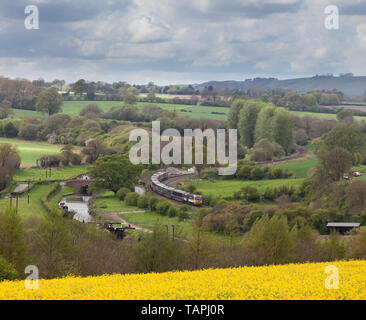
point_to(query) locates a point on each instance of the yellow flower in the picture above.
(294, 281)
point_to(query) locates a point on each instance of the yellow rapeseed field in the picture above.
(294, 281)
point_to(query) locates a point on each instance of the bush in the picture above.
(143, 202)
(163, 207)
(131, 198)
(172, 212)
(257, 173)
(182, 216)
(7, 270)
(121, 193)
(153, 201)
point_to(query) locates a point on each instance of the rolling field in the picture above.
(60, 174)
(309, 281)
(299, 167)
(228, 187)
(30, 151)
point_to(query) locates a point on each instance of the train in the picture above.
(158, 186)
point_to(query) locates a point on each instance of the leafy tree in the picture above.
(333, 248)
(198, 245)
(233, 116)
(114, 172)
(49, 101)
(130, 99)
(158, 252)
(12, 239)
(345, 136)
(356, 196)
(263, 129)
(9, 163)
(54, 244)
(79, 87)
(333, 165)
(247, 121)
(5, 109)
(268, 241)
(305, 246)
(356, 248)
(10, 130)
(282, 128)
(95, 149)
(344, 114)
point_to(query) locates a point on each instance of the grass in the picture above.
(328, 116)
(34, 207)
(299, 168)
(30, 151)
(60, 174)
(73, 108)
(226, 188)
(108, 202)
(17, 113)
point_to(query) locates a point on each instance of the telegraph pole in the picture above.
(28, 191)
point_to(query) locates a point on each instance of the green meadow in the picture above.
(226, 188)
(30, 151)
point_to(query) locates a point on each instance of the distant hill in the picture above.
(352, 86)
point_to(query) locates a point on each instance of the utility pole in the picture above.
(28, 191)
(173, 226)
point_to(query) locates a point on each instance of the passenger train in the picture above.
(172, 193)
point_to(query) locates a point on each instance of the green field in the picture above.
(299, 168)
(328, 116)
(108, 202)
(30, 151)
(226, 188)
(60, 174)
(73, 108)
(34, 207)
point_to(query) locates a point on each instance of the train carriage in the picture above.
(172, 193)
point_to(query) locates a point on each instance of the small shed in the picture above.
(342, 227)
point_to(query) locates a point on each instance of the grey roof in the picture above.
(344, 224)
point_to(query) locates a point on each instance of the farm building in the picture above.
(342, 227)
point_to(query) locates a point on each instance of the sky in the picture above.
(180, 42)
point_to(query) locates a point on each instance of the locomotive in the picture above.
(179, 195)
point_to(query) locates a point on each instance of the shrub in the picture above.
(7, 270)
(163, 207)
(153, 201)
(131, 198)
(143, 202)
(121, 193)
(172, 212)
(257, 173)
(183, 215)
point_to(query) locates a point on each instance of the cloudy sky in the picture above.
(188, 41)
